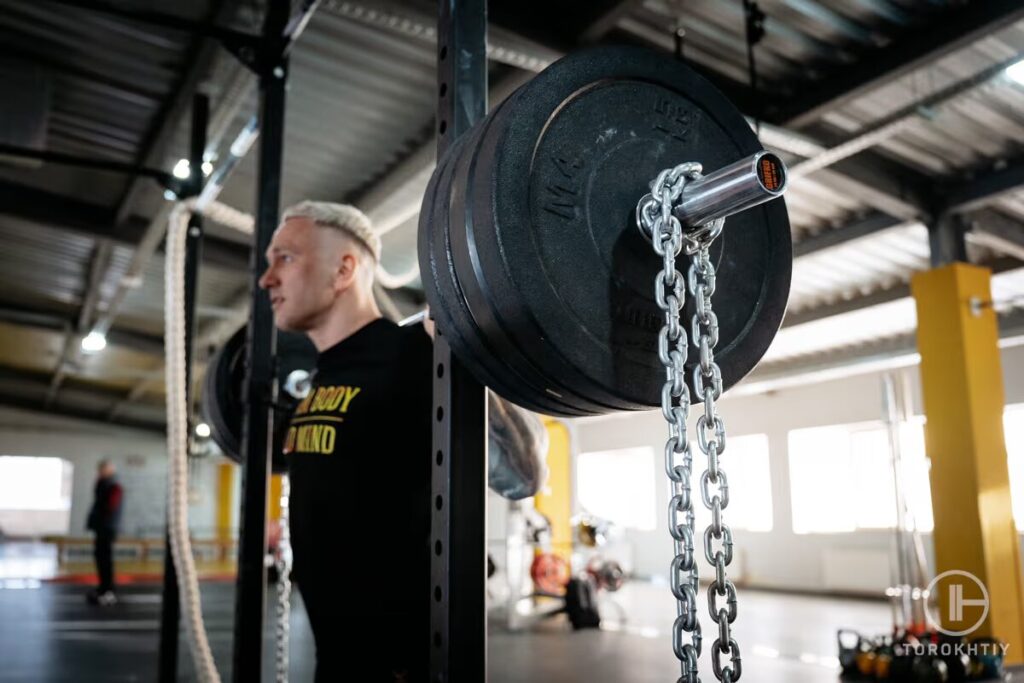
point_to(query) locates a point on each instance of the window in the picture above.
(1013, 428)
(28, 483)
(842, 478)
(745, 462)
(818, 466)
(619, 486)
(35, 496)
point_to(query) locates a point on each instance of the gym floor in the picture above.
(49, 634)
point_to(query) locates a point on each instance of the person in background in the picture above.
(104, 520)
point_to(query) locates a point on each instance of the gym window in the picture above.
(841, 478)
(619, 486)
(1013, 428)
(745, 462)
(35, 495)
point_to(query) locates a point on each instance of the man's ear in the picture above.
(345, 273)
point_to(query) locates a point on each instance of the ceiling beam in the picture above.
(62, 322)
(604, 22)
(21, 389)
(922, 45)
(889, 353)
(163, 20)
(868, 225)
(997, 232)
(58, 211)
(199, 58)
(880, 296)
(985, 187)
(70, 352)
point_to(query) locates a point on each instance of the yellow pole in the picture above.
(275, 497)
(225, 499)
(555, 500)
(962, 388)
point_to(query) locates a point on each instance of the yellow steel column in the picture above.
(274, 503)
(225, 499)
(962, 387)
(555, 500)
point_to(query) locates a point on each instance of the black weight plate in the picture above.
(499, 319)
(437, 280)
(221, 400)
(506, 378)
(516, 367)
(442, 290)
(447, 306)
(219, 404)
(564, 257)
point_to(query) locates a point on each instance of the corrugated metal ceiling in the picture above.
(361, 99)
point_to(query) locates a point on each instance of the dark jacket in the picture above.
(105, 514)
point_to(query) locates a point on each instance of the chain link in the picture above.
(284, 585)
(656, 222)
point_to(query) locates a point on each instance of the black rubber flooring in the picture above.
(49, 634)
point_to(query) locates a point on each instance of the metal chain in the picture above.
(284, 585)
(655, 219)
(656, 222)
(714, 485)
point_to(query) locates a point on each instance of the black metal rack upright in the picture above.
(459, 481)
(261, 338)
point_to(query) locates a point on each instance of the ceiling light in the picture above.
(182, 169)
(203, 430)
(94, 342)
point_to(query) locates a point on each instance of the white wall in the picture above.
(780, 558)
(140, 458)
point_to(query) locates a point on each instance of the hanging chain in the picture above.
(284, 585)
(714, 485)
(656, 222)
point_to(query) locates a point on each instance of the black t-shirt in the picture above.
(358, 450)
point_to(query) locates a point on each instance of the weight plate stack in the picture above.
(535, 269)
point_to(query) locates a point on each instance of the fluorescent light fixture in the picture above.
(203, 430)
(94, 342)
(182, 169)
(1016, 72)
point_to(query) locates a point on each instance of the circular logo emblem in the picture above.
(957, 602)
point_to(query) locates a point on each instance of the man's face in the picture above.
(299, 277)
(107, 470)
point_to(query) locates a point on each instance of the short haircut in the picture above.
(343, 217)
